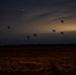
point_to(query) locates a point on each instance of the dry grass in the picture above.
(48, 63)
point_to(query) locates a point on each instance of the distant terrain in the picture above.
(38, 60)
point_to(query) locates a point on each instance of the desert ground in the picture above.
(38, 60)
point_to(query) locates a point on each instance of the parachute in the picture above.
(62, 21)
(35, 35)
(28, 37)
(54, 30)
(8, 27)
(62, 32)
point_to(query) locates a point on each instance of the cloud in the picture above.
(67, 16)
(64, 8)
(40, 16)
(70, 32)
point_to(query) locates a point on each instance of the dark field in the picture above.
(38, 60)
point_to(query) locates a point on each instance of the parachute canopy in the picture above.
(8, 27)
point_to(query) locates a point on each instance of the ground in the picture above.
(38, 60)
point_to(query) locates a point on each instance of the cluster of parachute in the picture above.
(35, 35)
(28, 37)
(62, 21)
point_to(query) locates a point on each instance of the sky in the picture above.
(28, 17)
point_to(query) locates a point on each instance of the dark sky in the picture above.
(28, 17)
